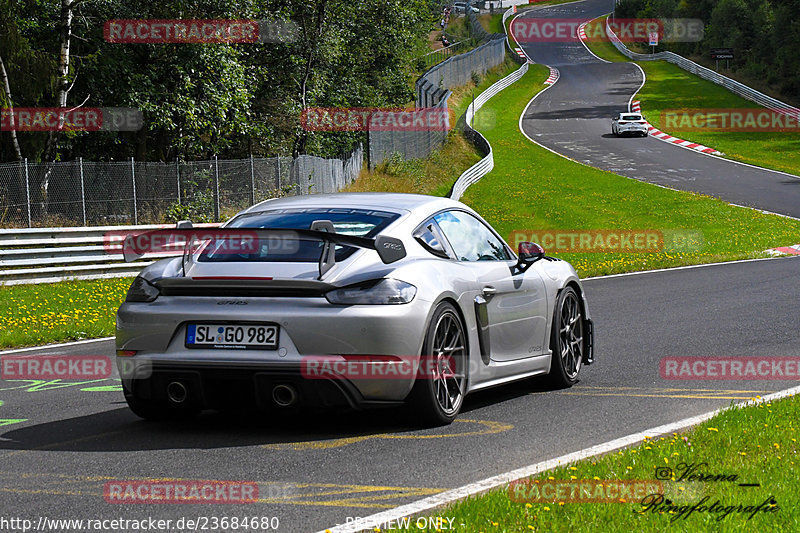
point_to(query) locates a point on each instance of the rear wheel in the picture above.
(441, 382)
(567, 340)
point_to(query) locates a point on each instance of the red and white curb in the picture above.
(636, 107)
(521, 53)
(786, 250)
(666, 137)
(582, 31)
(554, 74)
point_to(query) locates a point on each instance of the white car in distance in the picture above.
(629, 123)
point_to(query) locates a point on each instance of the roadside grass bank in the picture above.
(532, 189)
(436, 174)
(670, 87)
(756, 444)
(58, 312)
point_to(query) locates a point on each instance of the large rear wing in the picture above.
(135, 245)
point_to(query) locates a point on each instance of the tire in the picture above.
(566, 340)
(437, 396)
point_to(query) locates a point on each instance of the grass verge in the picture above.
(670, 87)
(58, 312)
(436, 174)
(727, 444)
(543, 191)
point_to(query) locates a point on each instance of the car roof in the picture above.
(392, 202)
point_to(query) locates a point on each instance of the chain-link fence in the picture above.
(411, 143)
(84, 193)
(433, 90)
(458, 70)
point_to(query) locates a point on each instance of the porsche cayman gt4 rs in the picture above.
(348, 299)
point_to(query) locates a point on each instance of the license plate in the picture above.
(232, 336)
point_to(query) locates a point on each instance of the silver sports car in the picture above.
(348, 300)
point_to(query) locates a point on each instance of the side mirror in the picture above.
(529, 252)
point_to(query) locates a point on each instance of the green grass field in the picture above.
(751, 445)
(58, 312)
(670, 87)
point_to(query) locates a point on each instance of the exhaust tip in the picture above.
(176, 392)
(284, 395)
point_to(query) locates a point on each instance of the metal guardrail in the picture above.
(435, 57)
(485, 165)
(732, 85)
(46, 255)
(510, 11)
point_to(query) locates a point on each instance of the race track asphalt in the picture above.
(316, 471)
(573, 118)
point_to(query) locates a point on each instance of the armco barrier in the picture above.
(46, 255)
(511, 50)
(485, 165)
(707, 74)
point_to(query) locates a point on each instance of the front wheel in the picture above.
(441, 381)
(566, 340)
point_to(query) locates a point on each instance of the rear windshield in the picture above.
(357, 222)
(631, 117)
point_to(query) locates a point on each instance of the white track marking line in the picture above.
(450, 496)
(45, 346)
(685, 267)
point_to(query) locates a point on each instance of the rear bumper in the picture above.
(637, 128)
(308, 327)
(212, 386)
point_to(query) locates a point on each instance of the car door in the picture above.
(510, 310)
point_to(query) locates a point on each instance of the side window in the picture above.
(470, 238)
(429, 237)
